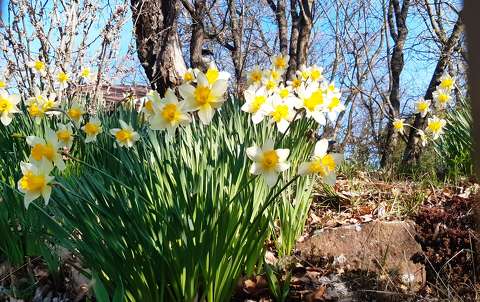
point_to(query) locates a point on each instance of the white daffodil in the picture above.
(275, 74)
(256, 103)
(422, 106)
(169, 114)
(280, 62)
(322, 163)
(45, 149)
(268, 162)
(205, 97)
(281, 113)
(62, 79)
(399, 125)
(295, 83)
(255, 76)
(447, 82)
(35, 181)
(65, 136)
(125, 135)
(435, 126)
(270, 85)
(441, 97)
(92, 128)
(38, 67)
(152, 98)
(316, 73)
(87, 75)
(75, 113)
(8, 106)
(334, 106)
(189, 75)
(312, 99)
(213, 74)
(303, 73)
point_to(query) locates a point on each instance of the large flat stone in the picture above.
(383, 247)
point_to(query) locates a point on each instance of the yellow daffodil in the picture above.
(399, 125)
(45, 149)
(435, 126)
(213, 74)
(268, 162)
(3, 83)
(8, 106)
(75, 113)
(280, 62)
(38, 67)
(447, 82)
(303, 73)
(312, 99)
(322, 164)
(295, 83)
(255, 76)
(441, 97)
(422, 106)
(169, 114)
(281, 113)
(65, 136)
(92, 128)
(205, 97)
(125, 135)
(35, 181)
(256, 101)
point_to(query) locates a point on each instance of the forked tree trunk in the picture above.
(158, 45)
(305, 29)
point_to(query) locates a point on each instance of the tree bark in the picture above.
(292, 62)
(281, 17)
(158, 45)
(413, 149)
(305, 28)
(398, 32)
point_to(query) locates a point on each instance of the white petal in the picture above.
(330, 178)
(124, 125)
(46, 194)
(282, 154)
(29, 197)
(304, 169)
(6, 119)
(219, 88)
(321, 147)
(254, 153)
(268, 145)
(257, 117)
(271, 178)
(338, 158)
(283, 126)
(206, 114)
(256, 169)
(319, 117)
(282, 167)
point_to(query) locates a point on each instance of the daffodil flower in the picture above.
(399, 125)
(35, 181)
(255, 76)
(3, 83)
(303, 73)
(38, 67)
(256, 101)
(281, 113)
(447, 82)
(423, 138)
(125, 135)
(45, 149)
(422, 106)
(92, 128)
(280, 62)
(316, 73)
(268, 162)
(334, 106)
(189, 75)
(435, 126)
(441, 97)
(295, 83)
(270, 84)
(62, 79)
(205, 97)
(8, 106)
(65, 136)
(169, 114)
(152, 98)
(75, 113)
(312, 99)
(213, 74)
(87, 75)
(322, 163)
(275, 74)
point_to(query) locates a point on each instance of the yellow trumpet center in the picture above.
(269, 160)
(280, 113)
(170, 113)
(33, 183)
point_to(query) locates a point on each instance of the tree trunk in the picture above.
(280, 16)
(305, 28)
(198, 36)
(292, 62)
(158, 45)
(413, 149)
(399, 36)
